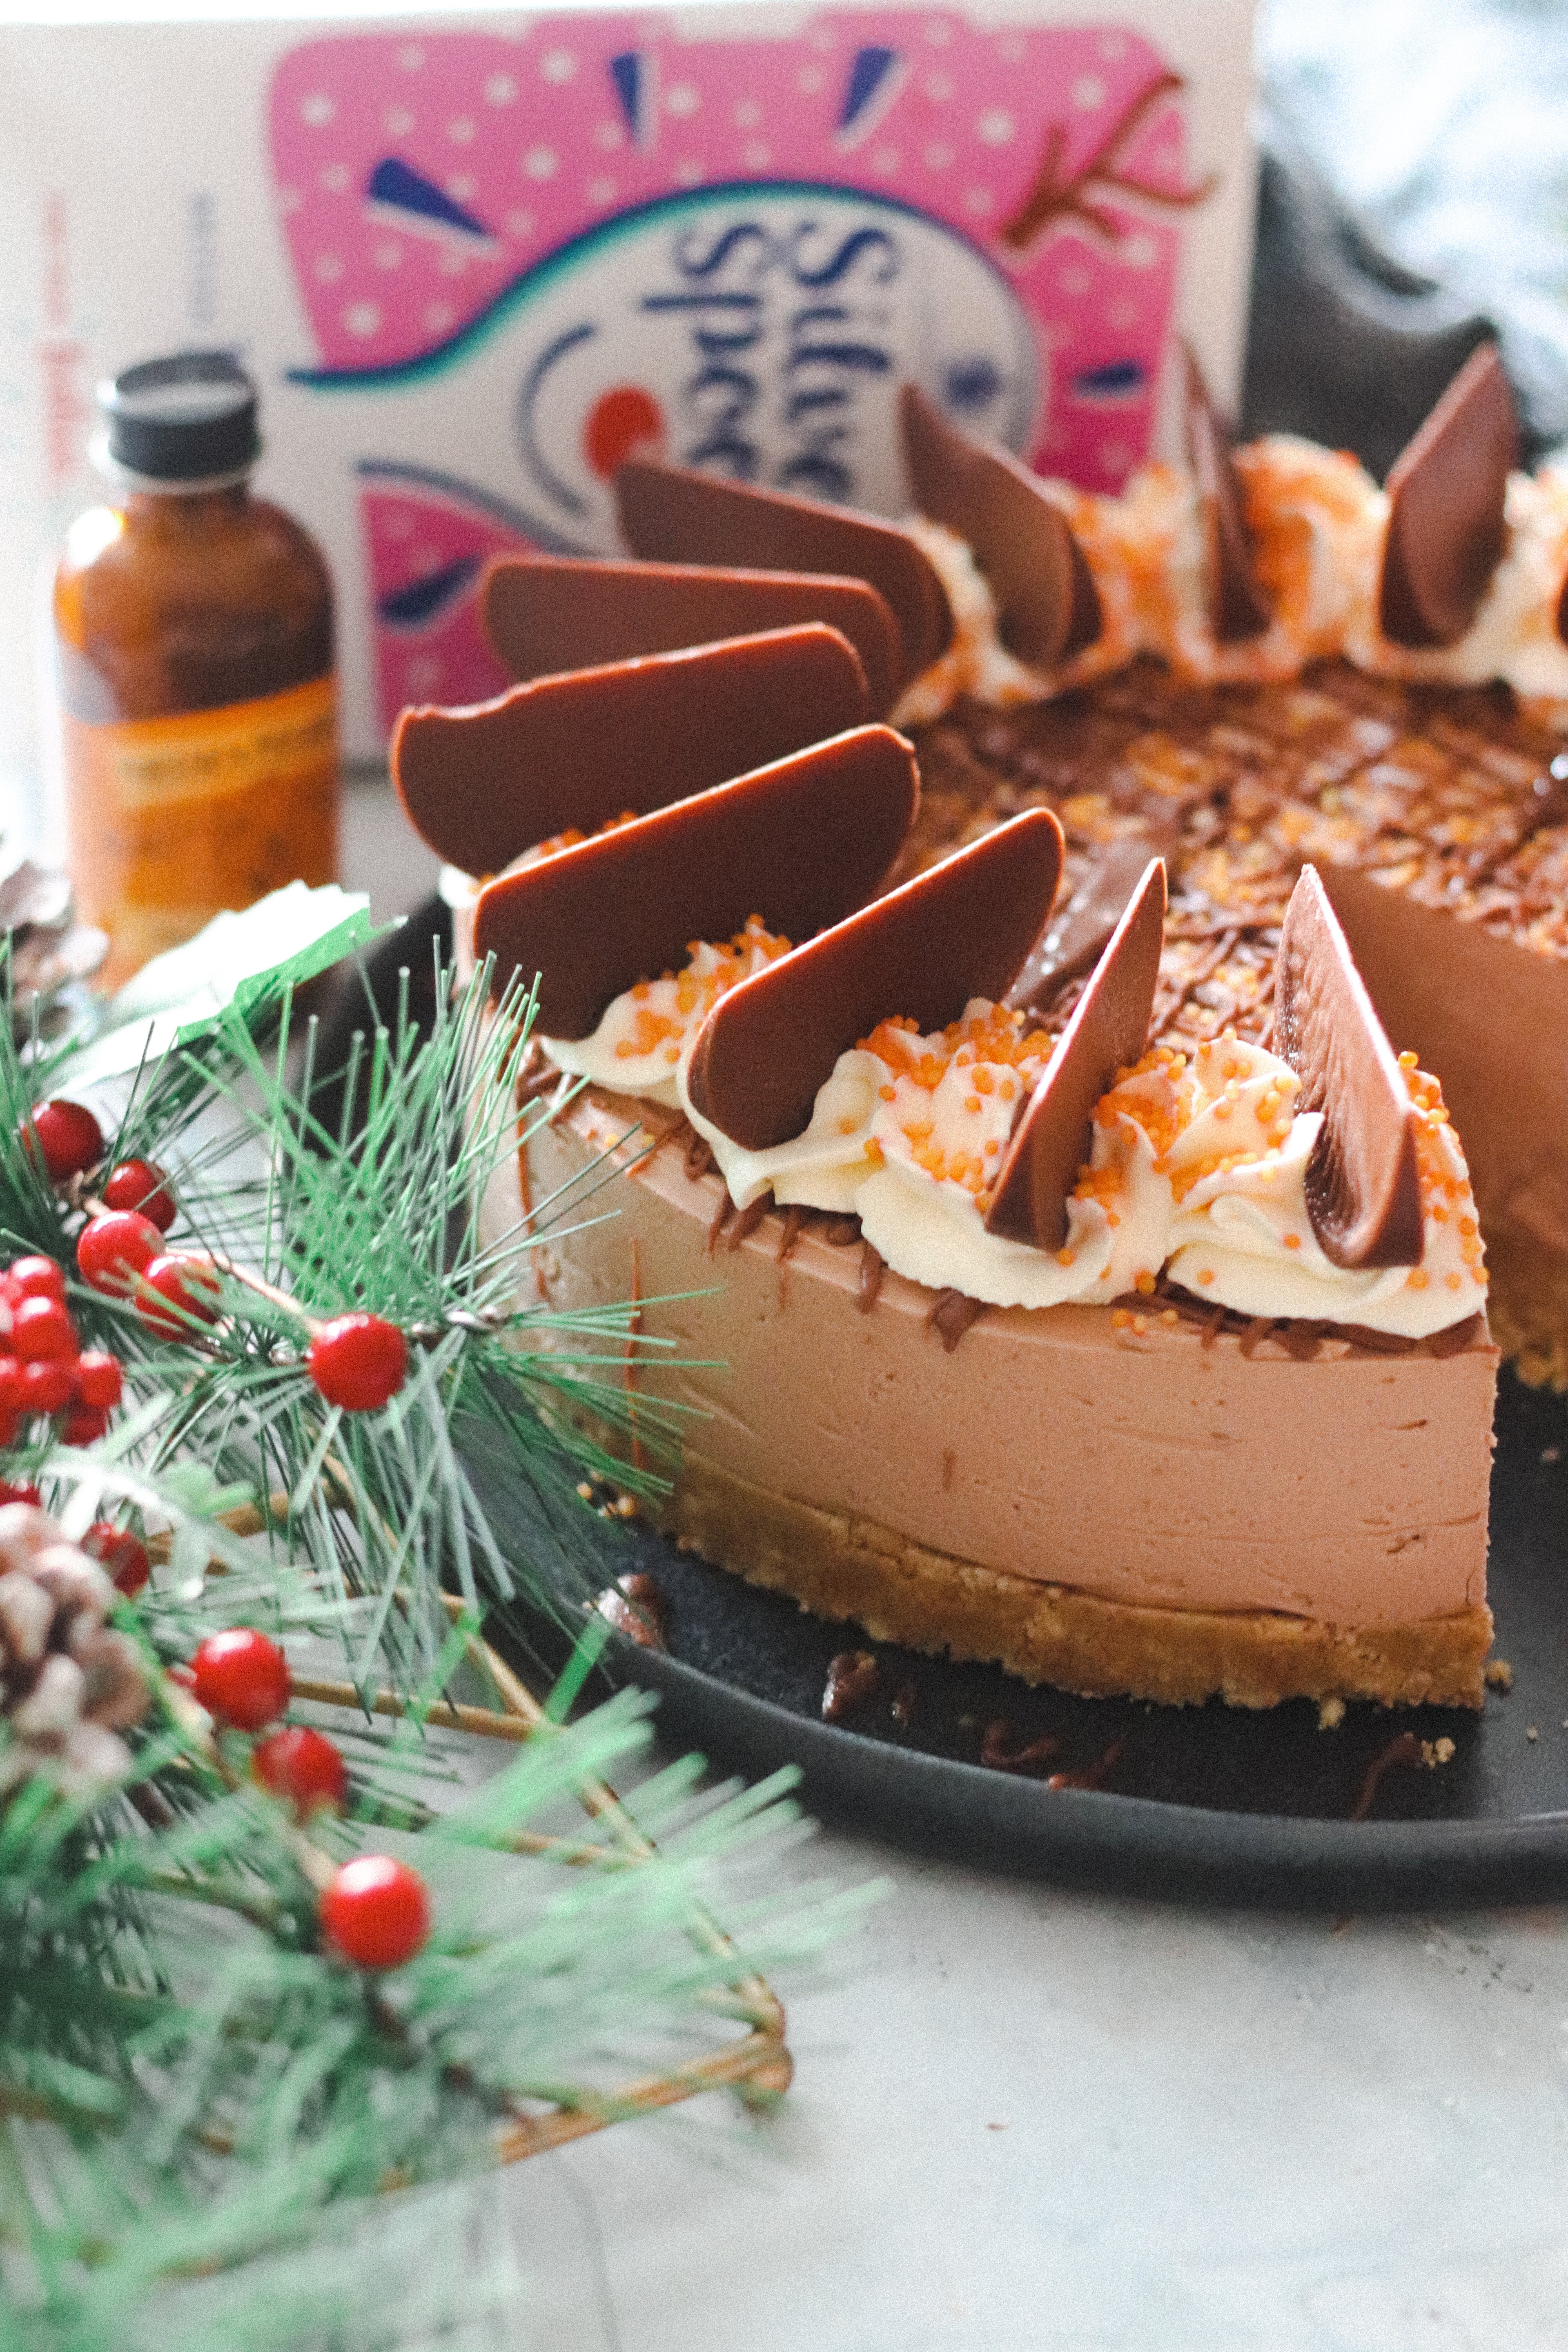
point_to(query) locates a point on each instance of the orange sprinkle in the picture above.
(1143, 1282)
(972, 1102)
(1292, 1240)
(1454, 1280)
(1066, 1257)
(1415, 1279)
(1407, 1061)
(1207, 1274)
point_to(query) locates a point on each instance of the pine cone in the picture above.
(69, 1682)
(48, 948)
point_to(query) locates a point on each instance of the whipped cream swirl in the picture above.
(1198, 1162)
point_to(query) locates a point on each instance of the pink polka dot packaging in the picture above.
(476, 266)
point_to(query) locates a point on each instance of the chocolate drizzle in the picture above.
(1237, 607)
(1077, 938)
(482, 784)
(1445, 495)
(547, 612)
(1107, 1031)
(803, 841)
(681, 517)
(959, 930)
(1363, 1195)
(1046, 603)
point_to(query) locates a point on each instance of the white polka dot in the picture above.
(397, 525)
(423, 674)
(979, 202)
(501, 89)
(397, 121)
(823, 40)
(439, 316)
(938, 155)
(328, 269)
(335, 179)
(541, 162)
(939, 34)
(1123, 314)
(426, 558)
(1114, 456)
(748, 115)
(411, 57)
(1075, 278)
(885, 161)
(461, 131)
(519, 224)
(810, 79)
(453, 262)
(601, 191)
(1140, 251)
(361, 319)
(557, 66)
(757, 155)
(289, 200)
(690, 173)
(1113, 46)
(995, 127)
(463, 189)
(388, 256)
(608, 136)
(1087, 92)
(317, 111)
(939, 87)
(1012, 50)
(682, 101)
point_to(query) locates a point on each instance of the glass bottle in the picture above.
(197, 690)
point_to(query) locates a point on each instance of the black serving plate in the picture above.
(1209, 1801)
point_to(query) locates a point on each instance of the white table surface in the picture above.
(1025, 2119)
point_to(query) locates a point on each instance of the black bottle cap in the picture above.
(188, 418)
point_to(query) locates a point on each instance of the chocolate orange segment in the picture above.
(1077, 936)
(677, 516)
(1363, 1195)
(800, 842)
(1237, 607)
(1107, 1033)
(960, 930)
(482, 784)
(1046, 603)
(549, 613)
(1445, 495)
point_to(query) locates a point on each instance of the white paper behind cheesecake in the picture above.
(471, 257)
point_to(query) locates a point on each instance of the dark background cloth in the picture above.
(1414, 201)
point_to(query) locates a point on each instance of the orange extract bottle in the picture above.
(196, 688)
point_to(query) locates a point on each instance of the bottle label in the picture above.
(171, 820)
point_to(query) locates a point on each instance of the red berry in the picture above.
(26, 1493)
(98, 1377)
(85, 1425)
(376, 1912)
(120, 1553)
(302, 1766)
(242, 1677)
(10, 1383)
(37, 1277)
(112, 1250)
(69, 1138)
(45, 1387)
(190, 1285)
(42, 1332)
(138, 1185)
(359, 1362)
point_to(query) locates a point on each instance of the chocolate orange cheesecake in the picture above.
(1130, 1331)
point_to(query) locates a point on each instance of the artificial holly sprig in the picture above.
(334, 1330)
